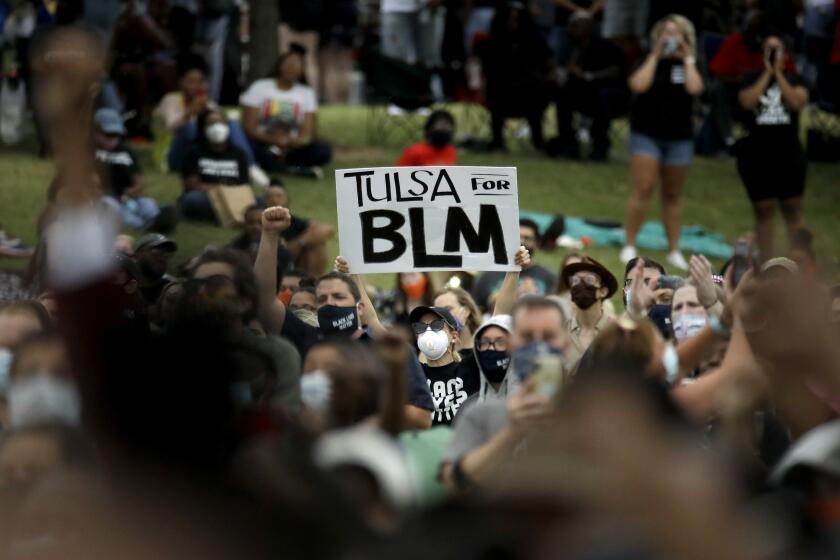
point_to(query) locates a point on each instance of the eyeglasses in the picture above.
(500, 344)
(588, 279)
(436, 325)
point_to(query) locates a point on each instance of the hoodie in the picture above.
(509, 383)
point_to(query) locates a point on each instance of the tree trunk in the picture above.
(262, 49)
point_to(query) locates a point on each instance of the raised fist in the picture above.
(276, 219)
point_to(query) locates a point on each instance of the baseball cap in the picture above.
(441, 312)
(109, 121)
(153, 240)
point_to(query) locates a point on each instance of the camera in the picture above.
(670, 46)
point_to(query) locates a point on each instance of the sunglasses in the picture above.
(436, 325)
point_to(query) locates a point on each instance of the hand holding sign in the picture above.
(523, 257)
(341, 265)
(276, 220)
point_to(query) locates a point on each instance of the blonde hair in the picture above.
(686, 28)
(473, 320)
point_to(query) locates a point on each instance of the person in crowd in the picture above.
(411, 290)
(771, 161)
(563, 11)
(122, 178)
(42, 386)
(488, 431)
(661, 143)
(296, 279)
(248, 242)
(517, 67)
(488, 283)
(306, 239)
(413, 31)
(179, 110)
(213, 161)
(437, 148)
(153, 254)
(637, 345)
(304, 298)
(280, 118)
(689, 316)
(17, 321)
(463, 307)
(594, 87)
(590, 285)
(341, 307)
(740, 55)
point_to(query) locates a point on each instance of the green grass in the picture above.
(713, 198)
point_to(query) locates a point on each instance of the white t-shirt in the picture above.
(280, 109)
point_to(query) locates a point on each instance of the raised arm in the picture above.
(507, 293)
(272, 312)
(369, 316)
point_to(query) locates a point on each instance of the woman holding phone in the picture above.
(661, 130)
(770, 158)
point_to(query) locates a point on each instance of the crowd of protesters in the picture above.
(251, 403)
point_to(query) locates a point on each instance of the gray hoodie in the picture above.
(509, 383)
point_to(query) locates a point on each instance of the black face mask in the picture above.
(439, 138)
(584, 295)
(338, 321)
(494, 364)
(660, 314)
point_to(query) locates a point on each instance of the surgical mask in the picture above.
(584, 296)
(525, 359)
(334, 320)
(315, 390)
(660, 315)
(433, 344)
(671, 364)
(440, 138)
(43, 398)
(687, 325)
(494, 364)
(217, 133)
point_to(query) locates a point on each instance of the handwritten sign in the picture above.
(398, 219)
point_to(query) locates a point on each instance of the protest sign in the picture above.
(396, 219)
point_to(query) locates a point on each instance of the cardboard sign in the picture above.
(399, 219)
(230, 203)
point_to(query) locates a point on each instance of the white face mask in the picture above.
(315, 390)
(217, 133)
(43, 398)
(688, 325)
(433, 344)
(671, 363)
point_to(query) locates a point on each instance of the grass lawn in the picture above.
(713, 198)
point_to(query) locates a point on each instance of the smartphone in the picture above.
(771, 57)
(670, 282)
(670, 46)
(549, 375)
(742, 260)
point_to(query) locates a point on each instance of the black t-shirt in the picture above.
(116, 169)
(450, 386)
(229, 167)
(772, 126)
(304, 336)
(664, 111)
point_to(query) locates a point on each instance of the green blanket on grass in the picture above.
(693, 239)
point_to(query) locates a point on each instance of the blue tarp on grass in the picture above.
(693, 239)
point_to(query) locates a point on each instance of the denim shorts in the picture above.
(666, 152)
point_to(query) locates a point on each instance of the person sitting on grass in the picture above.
(122, 178)
(305, 239)
(279, 115)
(248, 241)
(212, 161)
(437, 148)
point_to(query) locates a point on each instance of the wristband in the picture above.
(689, 60)
(718, 327)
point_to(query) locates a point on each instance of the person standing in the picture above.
(591, 284)
(770, 158)
(661, 144)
